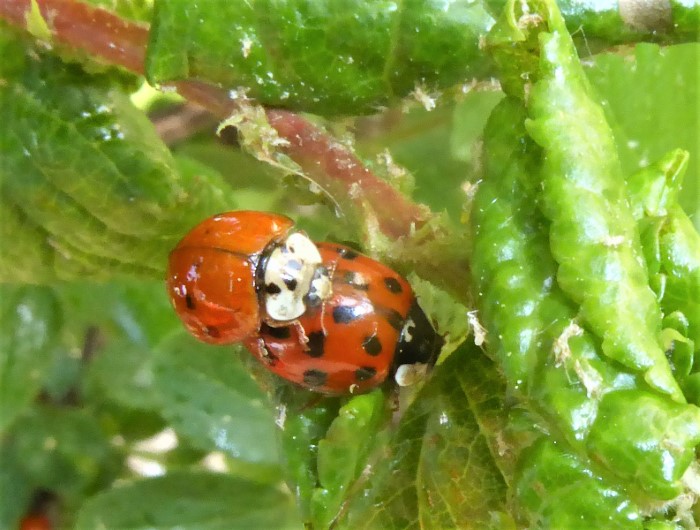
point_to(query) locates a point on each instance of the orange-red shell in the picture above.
(212, 270)
(346, 344)
(35, 522)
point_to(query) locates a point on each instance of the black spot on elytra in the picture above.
(352, 278)
(346, 253)
(372, 345)
(189, 301)
(315, 378)
(272, 288)
(316, 344)
(312, 300)
(394, 319)
(213, 331)
(393, 285)
(365, 373)
(291, 283)
(278, 333)
(344, 314)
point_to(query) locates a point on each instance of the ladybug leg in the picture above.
(313, 401)
(257, 347)
(301, 332)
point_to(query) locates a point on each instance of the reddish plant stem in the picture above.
(333, 166)
(95, 31)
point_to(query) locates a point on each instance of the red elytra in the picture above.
(212, 274)
(354, 340)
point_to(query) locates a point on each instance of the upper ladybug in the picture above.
(237, 269)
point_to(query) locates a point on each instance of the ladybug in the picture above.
(320, 315)
(35, 522)
(368, 328)
(237, 269)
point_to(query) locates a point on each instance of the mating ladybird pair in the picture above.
(318, 314)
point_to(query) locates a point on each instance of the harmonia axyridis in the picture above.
(320, 315)
(368, 328)
(236, 269)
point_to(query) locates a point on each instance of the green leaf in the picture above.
(552, 366)
(20, 243)
(671, 243)
(189, 500)
(555, 490)
(124, 371)
(64, 451)
(663, 444)
(439, 471)
(85, 179)
(133, 309)
(301, 430)
(439, 149)
(208, 396)
(30, 321)
(593, 236)
(342, 453)
(644, 129)
(679, 244)
(12, 479)
(449, 317)
(655, 188)
(130, 318)
(319, 56)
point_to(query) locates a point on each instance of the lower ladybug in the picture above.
(353, 323)
(368, 328)
(35, 522)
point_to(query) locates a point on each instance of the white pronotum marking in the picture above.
(289, 273)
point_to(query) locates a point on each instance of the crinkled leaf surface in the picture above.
(190, 500)
(525, 315)
(439, 470)
(322, 56)
(593, 235)
(671, 249)
(574, 392)
(88, 189)
(665, 440)
(556, 489)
